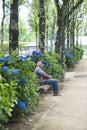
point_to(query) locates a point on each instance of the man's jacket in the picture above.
(41, 75)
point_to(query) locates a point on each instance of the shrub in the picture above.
(8, 99)
(69, 60)
(18, 85)
(73, 57)
(78, 53)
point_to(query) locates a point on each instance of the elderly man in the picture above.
(47, 79)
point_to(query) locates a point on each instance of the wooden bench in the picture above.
(44, 88)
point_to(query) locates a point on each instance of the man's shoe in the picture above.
(57, 94)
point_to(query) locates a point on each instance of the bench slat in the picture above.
(44, 87)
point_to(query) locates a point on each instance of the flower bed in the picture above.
(18, 86)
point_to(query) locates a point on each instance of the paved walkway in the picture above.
(69, 111)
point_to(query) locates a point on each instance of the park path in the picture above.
(69, 111)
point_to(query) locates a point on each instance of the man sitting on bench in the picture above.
(47, 79)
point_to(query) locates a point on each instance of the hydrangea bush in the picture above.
(18, 85)
(8, 99)
(78, 53)
(71, 58)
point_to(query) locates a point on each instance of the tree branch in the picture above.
(74, 7)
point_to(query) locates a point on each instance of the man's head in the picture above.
(40, 64)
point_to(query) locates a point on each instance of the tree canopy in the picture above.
(54, 12)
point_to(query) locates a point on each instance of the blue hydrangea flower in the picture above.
(27, 56)
(22, 105)
(22, 58)
(33, 59)
(2, 59)
(5, 69)
(6, 59)
(69, 55)
(37, 53)
(34, 52)
(15, 72)
(23, 81)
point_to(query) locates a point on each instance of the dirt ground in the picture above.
(66, 112)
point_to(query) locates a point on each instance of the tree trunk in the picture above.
(77, 33)
(46, 45)
(72, 28)
(2, 24)
(67, 24)
(52, 34)
(47, 27)
(36, 31)
(59, 24)
(42, 22)
(13, 28)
